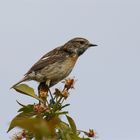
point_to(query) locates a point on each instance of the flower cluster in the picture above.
(42, 121)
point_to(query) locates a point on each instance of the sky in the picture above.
(107, 92)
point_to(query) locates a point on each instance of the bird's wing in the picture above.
(53, 52)
(53, 56)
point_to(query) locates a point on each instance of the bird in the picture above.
(57, 64)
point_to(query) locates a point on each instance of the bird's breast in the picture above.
(69, 62)
(62, 69)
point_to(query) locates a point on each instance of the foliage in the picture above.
(42, 121)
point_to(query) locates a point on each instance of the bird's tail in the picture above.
(22, 80)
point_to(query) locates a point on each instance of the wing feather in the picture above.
(53, 56)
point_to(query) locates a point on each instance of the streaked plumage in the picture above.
(58, 63)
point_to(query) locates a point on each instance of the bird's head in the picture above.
(78, 46)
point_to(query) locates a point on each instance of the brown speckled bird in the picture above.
(58, 63)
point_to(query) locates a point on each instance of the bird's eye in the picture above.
(82, 42)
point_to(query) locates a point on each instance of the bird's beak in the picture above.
(92, 45)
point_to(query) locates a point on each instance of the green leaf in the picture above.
(72, 124)
(18, 118)
(20, 103)
(65, 106)
(35, 125)
(25, 89)
(66, 133)
(64, 130)
(62, 113)
(27, 109)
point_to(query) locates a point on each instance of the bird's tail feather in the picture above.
(22, 80)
